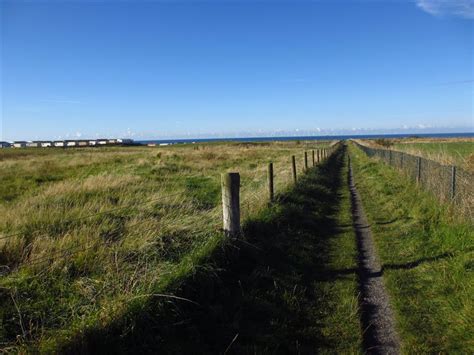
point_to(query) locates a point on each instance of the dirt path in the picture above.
(380, 336)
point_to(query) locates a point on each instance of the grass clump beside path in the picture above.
(287, 285)
(427, 256)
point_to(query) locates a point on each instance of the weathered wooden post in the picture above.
(305, 161)
(418, 168)
(390, 157)
(453, 182)
(270, 182)
(313, 157)
(293, 168)
(231, 203)
(317, 155)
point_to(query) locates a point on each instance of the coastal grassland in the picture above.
(287, 285)
(427, 254)
(454, 151)
(86, 234)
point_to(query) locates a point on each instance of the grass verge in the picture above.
(428, 259)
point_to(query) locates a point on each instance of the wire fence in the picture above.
(449, 184)
(254, 196)
(129, 247)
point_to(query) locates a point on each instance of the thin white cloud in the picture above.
(461, 8)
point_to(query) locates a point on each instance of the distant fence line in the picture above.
(230, 184)
(448, 183)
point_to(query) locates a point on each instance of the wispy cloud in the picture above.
(461, 8)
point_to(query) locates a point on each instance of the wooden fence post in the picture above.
(453, 182)
(270, 181)
(418, 168)
(293, 168)
(317, 155)
(390, 157)
(230, 183)
(313, 157)
(305, 161)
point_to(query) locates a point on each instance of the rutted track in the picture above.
(380, 336)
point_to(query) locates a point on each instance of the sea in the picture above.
(306, 138)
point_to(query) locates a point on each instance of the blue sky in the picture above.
(194, 68)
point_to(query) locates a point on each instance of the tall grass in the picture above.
(69, 264)
(454, 151)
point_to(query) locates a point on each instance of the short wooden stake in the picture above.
(418, 172)
(313, 157)
(230, 183)
(293, 168)
(305, 160)
(270, 182)
(453, 182)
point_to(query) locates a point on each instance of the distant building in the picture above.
(124, 141)
(67, 143)
(44, 144)
(33, 144)
(19, 144)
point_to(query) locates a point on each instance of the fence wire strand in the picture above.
(448, 183)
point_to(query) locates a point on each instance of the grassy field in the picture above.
(287, 285)
(454, 151)
(120, 250)
(427, 254)
(88, 234)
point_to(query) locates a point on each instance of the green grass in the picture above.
(427, 255)
(457, 153)
(288, 285)
(66, 272)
